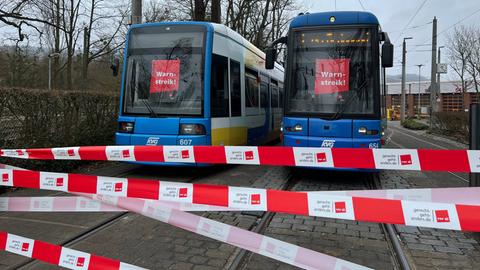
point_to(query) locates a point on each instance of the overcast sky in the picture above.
(394, 16)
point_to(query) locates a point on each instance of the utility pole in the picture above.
(433, 77)
(419, 72)
(136, 17)
(438, 74)
(402, 99)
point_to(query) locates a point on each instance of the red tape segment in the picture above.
(257, 243)
(58, 255)
(385, 210)
(387, 159)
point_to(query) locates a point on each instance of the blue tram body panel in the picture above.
(331, 133)
(331, 129)
(156, 129)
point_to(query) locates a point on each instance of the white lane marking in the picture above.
(439, 146)
(459, 177)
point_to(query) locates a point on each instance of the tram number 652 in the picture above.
(185, 141)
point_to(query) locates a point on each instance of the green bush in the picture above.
(32, 118)
(452, 124)
(412, 124)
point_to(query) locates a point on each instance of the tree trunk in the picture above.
(216, 11)
(199, 12)
(56, 60)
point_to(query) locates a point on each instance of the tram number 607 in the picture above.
(185, 141)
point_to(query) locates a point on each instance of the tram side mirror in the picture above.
(115, 66)
(271, 55)
(387, 55)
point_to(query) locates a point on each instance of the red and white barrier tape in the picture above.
(254, 242)
(424, 214)
(58, 255)
(361, 158)
(83, 204)
(467, 196)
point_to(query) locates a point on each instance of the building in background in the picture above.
(453, 99)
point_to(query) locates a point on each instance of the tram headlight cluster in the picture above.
(126, 127)
(192, 129)
(365, 131)
(296, 128)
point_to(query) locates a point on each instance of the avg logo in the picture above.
(185, 154)
(4, 177)
(321, 157)
(248, 155)
(255, 199)
(59, 182)
(71, 152)
(182, 192)
(25, 246)
(406, 159)
(80, 261)
(340, 207)
(126, 153)
(118, 187)
(442, 216)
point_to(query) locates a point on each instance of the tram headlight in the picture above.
(296, 128)
(126, 127)
(192, 129)
(365, 131)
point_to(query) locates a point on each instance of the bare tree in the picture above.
(100, 40)
(20, 13)
(458, 54)
(158, 11)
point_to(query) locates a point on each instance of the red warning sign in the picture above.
(332, 76)
(165, 76)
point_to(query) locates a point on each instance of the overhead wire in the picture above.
(410, 21)
(361, 4)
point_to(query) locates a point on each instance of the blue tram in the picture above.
(334, 86)
(197, 83)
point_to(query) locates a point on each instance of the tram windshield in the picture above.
(332, 72)
(164, 73)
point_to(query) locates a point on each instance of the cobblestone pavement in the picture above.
(431, 248)
(360, 242)
(148, 243)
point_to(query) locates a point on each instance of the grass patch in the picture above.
(412, 124)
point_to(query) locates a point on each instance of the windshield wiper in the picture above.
(149, 108)
(347, 103)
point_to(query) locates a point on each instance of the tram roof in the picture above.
(339, 18)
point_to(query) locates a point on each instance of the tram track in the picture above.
(104, 224)
(241, 255)
(373, 182)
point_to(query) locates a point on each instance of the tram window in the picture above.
(219, 87)
(263, 95)
(235, 90)
(251, 92)
(274, 91)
